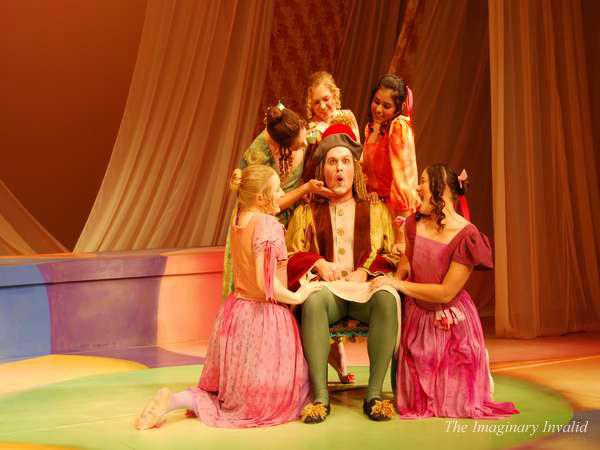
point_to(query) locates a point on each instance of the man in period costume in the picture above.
(346, 237)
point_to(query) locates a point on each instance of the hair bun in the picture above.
(236, 180)
(273, 115)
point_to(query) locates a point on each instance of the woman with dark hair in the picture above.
(443, 368)
(280, 145)
(389, 159)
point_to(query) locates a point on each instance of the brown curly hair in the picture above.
(440, 176)
(284, 126)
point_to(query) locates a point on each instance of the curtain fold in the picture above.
(20, 233)
(443, 53)
(198, 79)
(306, 37)
(365, 52)
(546, 185)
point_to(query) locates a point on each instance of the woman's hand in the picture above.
(386, 281)
(318, 187)
(399, 248)
(305, 291)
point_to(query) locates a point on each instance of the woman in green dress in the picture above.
(281, 145)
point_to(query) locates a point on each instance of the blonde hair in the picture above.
(250, 182)
(322, 77)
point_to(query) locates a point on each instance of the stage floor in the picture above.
(90, 400)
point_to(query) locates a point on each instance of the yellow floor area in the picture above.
(15, 446)
(577, 379)
(35, 372)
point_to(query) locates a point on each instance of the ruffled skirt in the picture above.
(255, 373)
(442, 365)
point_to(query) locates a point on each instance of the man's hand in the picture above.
(328, 271)
(359, 276)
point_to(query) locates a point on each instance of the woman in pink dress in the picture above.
(255, 373)
(442, 366)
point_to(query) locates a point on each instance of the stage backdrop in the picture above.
(66, 66)
(198, 79)
(20, 233)
(443, 52)
(199, 84)
(546, 185)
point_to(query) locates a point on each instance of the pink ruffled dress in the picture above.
(442, 363)
(255, 373)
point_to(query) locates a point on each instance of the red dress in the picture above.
(390, 166)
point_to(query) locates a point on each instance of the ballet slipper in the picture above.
(153, 412)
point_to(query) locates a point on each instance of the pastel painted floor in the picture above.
(89, 402)
(97, 412)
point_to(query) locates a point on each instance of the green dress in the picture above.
(259, 153)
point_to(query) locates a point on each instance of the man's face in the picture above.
(339, 171)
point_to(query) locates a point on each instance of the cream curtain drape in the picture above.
(443, 53)
(20, 233)
(546, 185)
(194, 95)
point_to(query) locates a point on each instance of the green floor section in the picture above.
(97, 413)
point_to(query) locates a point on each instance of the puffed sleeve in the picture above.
(474, 249)
(269, 239)
(403, 194)
(257, 153)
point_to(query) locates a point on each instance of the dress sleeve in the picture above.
(269, 240)
(403, 196)
(257, 153)
(474, 249)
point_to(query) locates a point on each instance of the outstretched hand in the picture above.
(399, 248)
(385, 281)
(318, 187)
(305, 291)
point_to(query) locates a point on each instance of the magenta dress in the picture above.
(442, 363)
(255, 373)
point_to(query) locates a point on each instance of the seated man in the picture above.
(344, 237)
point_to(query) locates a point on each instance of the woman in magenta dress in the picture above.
(442, 366)
(255, 373)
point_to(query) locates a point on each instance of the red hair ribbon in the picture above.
(409, 103)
